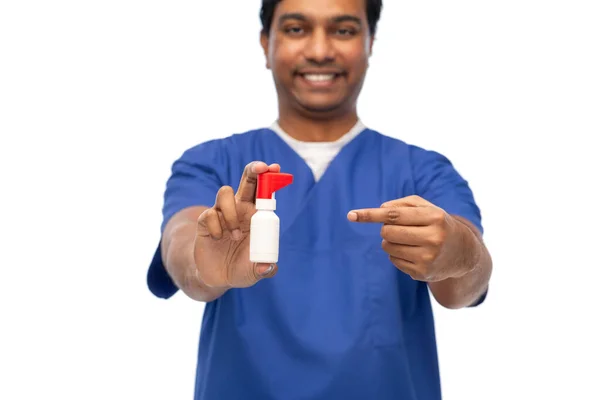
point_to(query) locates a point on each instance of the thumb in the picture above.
(247, 187)
(409, 201)
(263, 271)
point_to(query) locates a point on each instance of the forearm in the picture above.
(470, 256)
(178, 258)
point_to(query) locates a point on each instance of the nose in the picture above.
(319, 48)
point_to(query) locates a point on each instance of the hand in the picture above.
(222, 247)
(418, 236)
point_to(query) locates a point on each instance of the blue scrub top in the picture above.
(338, 321)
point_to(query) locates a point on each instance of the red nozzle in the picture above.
(270, 182)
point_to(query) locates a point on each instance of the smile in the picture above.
(319, 80)
(319, 77)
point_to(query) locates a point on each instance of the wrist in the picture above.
(468, 249)
(195, 288)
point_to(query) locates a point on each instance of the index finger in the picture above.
(247, 188)
(226, 204)
(410, 216)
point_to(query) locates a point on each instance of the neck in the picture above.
(311, 129)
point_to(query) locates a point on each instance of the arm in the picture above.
(177, 249)
(434, 236)
(469, 254)
(195, 179)
(439, 182)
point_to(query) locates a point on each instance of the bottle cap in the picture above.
(270, 182)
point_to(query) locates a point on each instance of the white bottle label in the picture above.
(264, 237)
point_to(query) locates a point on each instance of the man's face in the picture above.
(318, 51)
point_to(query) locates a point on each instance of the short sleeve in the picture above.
(437, 181)
(194, 181)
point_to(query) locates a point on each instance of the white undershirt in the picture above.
(318, 155)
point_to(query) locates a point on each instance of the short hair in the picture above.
(268, 10)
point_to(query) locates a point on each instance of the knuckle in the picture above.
(207, 215)
(224, 191)
(393, 214)
(439, 216)
(442, 237)
(212, 214)
(363, 216)
(437, 239)
(414, 199)
(427, 257)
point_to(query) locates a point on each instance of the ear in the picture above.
(264, 43)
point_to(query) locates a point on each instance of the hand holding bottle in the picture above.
(221, 249)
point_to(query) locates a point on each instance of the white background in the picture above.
(97, 99)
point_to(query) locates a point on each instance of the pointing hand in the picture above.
(416, 235)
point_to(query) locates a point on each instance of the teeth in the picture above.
(319, 78)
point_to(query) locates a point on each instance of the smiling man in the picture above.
(369, 228)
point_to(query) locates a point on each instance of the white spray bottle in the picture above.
(264, 225)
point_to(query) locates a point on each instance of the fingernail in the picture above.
(352, 216)
(268, 270)
(236, 234)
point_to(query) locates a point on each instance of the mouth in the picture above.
(320, 79)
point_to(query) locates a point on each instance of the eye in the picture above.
(294, 30)
(346, 32)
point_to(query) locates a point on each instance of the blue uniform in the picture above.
(338, 321)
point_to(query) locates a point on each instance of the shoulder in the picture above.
(385, 139)
(220, 149)
(415, 154)
(436, 179)
(218, 158)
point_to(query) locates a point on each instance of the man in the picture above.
(368, 227)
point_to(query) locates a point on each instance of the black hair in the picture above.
(268, 10)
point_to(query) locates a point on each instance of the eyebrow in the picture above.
(347, 18)
(287, 16)
(336, 19)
